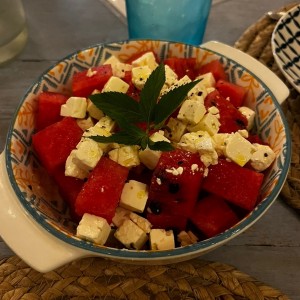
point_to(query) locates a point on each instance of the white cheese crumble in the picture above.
(90, 72)
(175, 171)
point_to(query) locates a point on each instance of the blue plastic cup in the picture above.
(173, 20)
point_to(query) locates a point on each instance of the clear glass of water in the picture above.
(172, 20)
(13, 29)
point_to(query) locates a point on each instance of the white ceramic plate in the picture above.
(286, 46)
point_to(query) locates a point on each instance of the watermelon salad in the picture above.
(146, 199)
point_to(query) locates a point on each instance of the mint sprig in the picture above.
(127, 112)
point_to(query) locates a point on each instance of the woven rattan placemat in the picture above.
(95, 278)
(256, 41)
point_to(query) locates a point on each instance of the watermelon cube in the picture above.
(235, 93)
(83, 85)
(212, 215)
(231, 119)
(54, 143)
(175, 183)
(101, 193)
(48, 111)
(69, 188)
(240, 186)
(182, 66)
(216, 68)
(167, 221)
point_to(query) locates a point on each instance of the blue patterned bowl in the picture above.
(34, 220)
(286, 46)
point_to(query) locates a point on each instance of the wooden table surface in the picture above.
(269, 250)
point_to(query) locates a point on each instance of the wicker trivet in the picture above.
(256, 41)
(95, 278)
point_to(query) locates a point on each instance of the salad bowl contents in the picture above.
(145, 152)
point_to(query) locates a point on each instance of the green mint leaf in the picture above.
(117, 105)
(160, 146)
(150, 93)
(132, 136)
(170, 101)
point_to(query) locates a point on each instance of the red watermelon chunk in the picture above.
(132, 91)
(240, 186)
(54, 143)
(167, 221)
(171, 194)
(48, 112)
(101, 193)
(235, 93)
(182, 66)
(83, 85)
(231, 119)
(216, 68)
(212, 215)
(69, 188)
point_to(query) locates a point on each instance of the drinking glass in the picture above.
(13, 29)
(172, 20)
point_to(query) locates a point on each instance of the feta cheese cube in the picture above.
(191, 112)
(147, 59)
(262, 157)
(106, 123)
(161, 239)
(112, 60)
(175, 129)
(115, 84)
(150, 157)
(94, 111)
(96, 130)
(185, 79)
(87, 154)
(121, 214)
(134, 196)
(202, 143)
(126, 156)
(238, 149)
(194, 141)
(209, 123)
(131, 235)
(119, 69)
(93, 228)
(140, 76)
(249, 114)
(171, 76)
(198, 93)
(171, 79)
(143, 223)
(74, 107)
(186, 238)
(85, 124)
(214, 110)
(207, 80)
(74, 170)
(220, 140)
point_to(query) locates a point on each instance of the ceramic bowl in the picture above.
(34, 220)
(285, 46)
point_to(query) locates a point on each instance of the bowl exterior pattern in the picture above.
(286, 43)
(38, 193)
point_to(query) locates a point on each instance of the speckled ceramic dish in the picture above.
(286, 46)
(34, 220)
